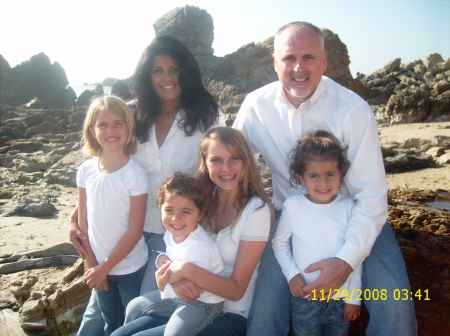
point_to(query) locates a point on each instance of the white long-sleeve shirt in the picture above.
(273, 126)
(317, 232)
(177, 153)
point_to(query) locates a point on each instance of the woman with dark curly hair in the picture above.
(173, 112)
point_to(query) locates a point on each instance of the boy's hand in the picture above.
(162, 274)
(296, 285)
(95, 277)
(351, 312)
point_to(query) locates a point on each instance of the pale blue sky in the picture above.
(96, 39)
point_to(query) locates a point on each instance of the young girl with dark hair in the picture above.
(317, 222)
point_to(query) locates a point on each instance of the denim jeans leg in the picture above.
(128, 288)
(92, 323)
(384, 269)
(111, 306)
(155, 245)
(140, 306)
(270, 310)
(335, 325)
(146, 313)
(227, 324)
(147, 324)
(307, 317)
(191, 318)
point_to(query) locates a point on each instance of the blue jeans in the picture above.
(121, 290)
(93, 323)
(314, 318)
(180, 318)
(384, 268)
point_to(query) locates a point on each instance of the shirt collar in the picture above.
(319, 89)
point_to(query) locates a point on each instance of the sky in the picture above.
(95, 39)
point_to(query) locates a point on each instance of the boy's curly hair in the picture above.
(319, 146)
(188, 187)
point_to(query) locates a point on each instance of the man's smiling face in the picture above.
(299, 61)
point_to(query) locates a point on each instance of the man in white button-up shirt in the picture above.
(273, 119)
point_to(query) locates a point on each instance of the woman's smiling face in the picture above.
(224, 169)
(164, 75)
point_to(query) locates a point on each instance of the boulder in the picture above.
(191, 25)
(85, 97)
(408, 106)
(431, 60)
(444, 159)
(120, 89)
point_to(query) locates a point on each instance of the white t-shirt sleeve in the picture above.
(257, 221)
(137, 183)
(81, 182)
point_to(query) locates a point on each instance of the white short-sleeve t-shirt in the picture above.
(253, 225)
(108, 210)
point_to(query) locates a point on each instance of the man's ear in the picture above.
(325, 61)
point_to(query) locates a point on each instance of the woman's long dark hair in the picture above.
(200, 107)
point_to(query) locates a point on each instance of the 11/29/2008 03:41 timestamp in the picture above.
(370, 294)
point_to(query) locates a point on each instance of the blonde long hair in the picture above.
(250, 184)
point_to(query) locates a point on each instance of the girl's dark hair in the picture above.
(319, 146)
(188, 187)
(200, 107)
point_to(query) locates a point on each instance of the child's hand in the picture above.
(103, 286)
(95, 276)
(162, 274)
(296, 285)
(351, 312)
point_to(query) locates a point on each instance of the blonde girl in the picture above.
(112, 198)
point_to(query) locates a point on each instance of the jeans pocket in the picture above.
(300, 303)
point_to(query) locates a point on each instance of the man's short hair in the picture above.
(300, 25)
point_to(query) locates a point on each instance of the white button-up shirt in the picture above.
(178, 153)
(273, 126)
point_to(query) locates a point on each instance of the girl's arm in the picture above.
(75, 234)
(233, 288)
(126, 244)
(89, 255)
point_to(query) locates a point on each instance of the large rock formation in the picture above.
(414, 92)
(35, 78)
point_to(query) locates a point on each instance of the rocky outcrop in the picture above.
(414, 154)
(405, 93)
(37, 150)
(36, 78)
(59, 307)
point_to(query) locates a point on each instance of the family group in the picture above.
(178, 234)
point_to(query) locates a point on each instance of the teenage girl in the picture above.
(317, 222)
(112, 199)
